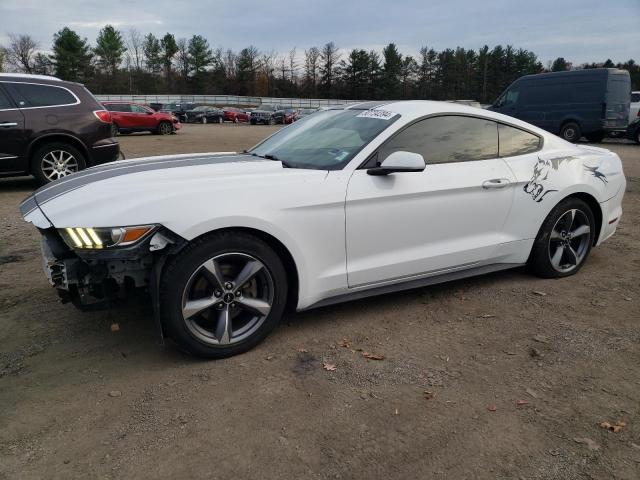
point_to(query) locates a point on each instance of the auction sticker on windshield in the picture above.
(380, 114)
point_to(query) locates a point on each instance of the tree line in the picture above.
(133, 63)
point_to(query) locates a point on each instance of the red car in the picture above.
(235, 115)
(131, 117)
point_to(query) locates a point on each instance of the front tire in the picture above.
(164, 128)
(56, 160)
(223, 294)
(570, 132)
(564, 240)
(204, 120)
(596, 137)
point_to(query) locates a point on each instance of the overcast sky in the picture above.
(579, 30)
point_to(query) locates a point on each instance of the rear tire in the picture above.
(570, 132)
(114, 130)
(220, 120)
(204, 120)
(564, 240)
(53, 161)
(211, 269)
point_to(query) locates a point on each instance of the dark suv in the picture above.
(50, 128)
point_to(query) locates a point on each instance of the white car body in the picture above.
(349, 233)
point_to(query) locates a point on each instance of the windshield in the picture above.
(267, 108)
(200, 109)
(326, 140)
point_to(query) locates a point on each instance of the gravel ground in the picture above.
(504, 376)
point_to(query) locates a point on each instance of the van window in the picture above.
(511, 97)
(36, 95)
(513, 141)
(447, 139)
(4, 101)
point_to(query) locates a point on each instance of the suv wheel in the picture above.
(114, 130)
(56, 160)
(570, 131)
(223, 294)
(165, 128)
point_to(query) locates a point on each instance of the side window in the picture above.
(5, 102)
(31, 95)
(635, 97)
(121, 107)
(447, 139)
(138, 109)
(511, 97)
(514, 141)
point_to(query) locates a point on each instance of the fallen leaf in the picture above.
(531, 392)
(521, 403)
(372, 356)
(540, 338)
(329, 366)
(591, 445)
(345, 342)
(115, 327)
(492, 408)
(302, 350)
(487, 316)
(539, 293)
(428, 395)
(396, 412)
(269, 357)
(615, 428)
(115, 393)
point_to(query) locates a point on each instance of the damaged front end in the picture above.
(94, 278)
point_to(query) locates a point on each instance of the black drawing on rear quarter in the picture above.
(535, 187)
(596, 173)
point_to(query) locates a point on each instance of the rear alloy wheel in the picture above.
(55, 161)
(570, 132)
(223, 295)
(220, 120)
(204, 120)
(564, 240)
(235, 119)
(272, 121)
(165, 128)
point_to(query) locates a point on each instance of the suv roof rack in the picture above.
(30, 75)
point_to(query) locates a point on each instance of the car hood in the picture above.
(144, 190)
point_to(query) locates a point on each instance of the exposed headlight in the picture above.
(97, 238)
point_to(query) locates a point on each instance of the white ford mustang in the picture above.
(346, 203)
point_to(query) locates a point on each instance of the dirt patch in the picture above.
(499, 377)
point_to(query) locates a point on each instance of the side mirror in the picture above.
(399, 162)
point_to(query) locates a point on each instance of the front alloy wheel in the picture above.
(223, 294)
(227, 298)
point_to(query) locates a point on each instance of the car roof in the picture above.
(29, 76)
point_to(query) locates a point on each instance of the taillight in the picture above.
(103, 115)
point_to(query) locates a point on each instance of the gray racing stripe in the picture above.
(112, 170)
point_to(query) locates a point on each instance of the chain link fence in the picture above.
(222, 100)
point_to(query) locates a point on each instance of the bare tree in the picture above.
(135, 50)
(293, 64)
(21, 52)
(311, 58)
(3, 58)
(266, 68)
(282, 67)
(183, 60)
(230, 62)
(330, 56)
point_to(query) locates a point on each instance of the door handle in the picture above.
(8, 124)
(496, 183)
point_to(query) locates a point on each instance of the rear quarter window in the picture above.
(29, 95)
(513, 141)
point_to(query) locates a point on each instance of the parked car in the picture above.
(591, 102)
(285, 115)
(634, 106)
(348, 203)
(235, 115)
(263, 114)
(305, 112)
(129, 117)
(633, 130)
(50, 128)
(156, 106)
(205, 114)
(179, 109)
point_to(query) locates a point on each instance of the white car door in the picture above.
(450, 216)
